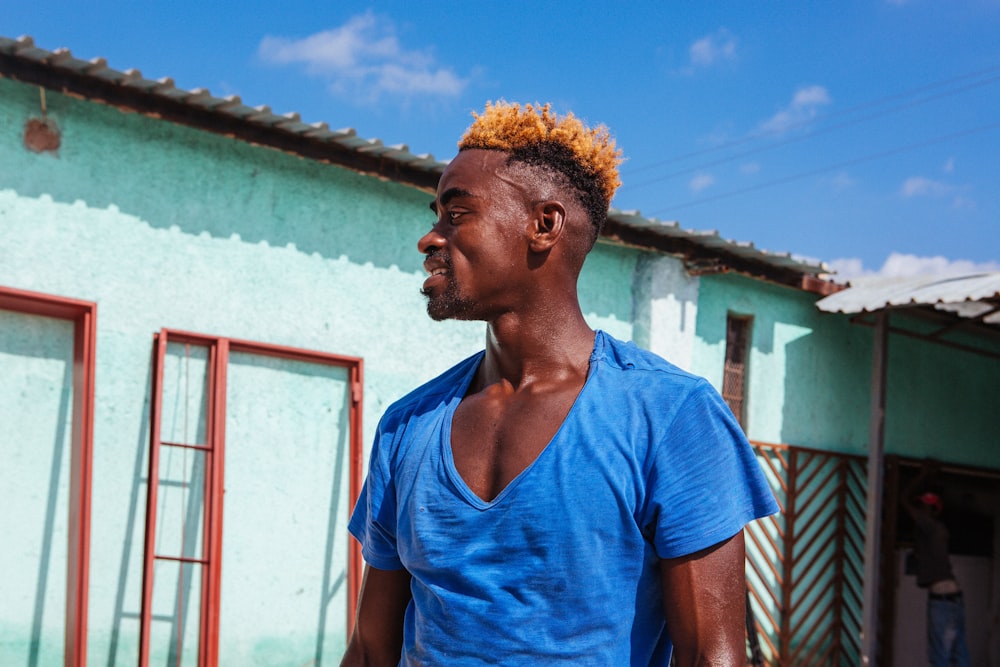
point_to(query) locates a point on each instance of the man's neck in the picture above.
(527, 350)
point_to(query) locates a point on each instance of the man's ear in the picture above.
(548, 223)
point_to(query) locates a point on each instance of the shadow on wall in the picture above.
(35, 477)
(827, 378)
(712, 318)
(129, 539)
(168, 175)
(606, 283)
(333, 585)
(941, 402)
(57, 471)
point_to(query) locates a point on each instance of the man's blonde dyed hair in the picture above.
(586, 157)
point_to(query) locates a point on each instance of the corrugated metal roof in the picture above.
(231, 105)
(649, 230)
(965, 296)
(712, 240)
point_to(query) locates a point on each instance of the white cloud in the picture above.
(842, 181)
(963, 203)
(364, 57)
(804, 106)
(901, 265)
(949, 165)
(918, 186)
(712, 49)
(810, 97)
(898, 264)
(700, 182)
(750, 168)
(847, 268)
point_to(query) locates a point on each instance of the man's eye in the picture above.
(454, 215)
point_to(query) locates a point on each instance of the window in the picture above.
(254, 466)
(47, 412)
(738, 329)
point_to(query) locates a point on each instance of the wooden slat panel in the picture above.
(805, 566)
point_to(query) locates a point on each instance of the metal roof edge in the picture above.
(875, 294)
(708, 252)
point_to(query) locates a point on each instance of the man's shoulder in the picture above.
(626, 356)
(435, 391)
(632, 377)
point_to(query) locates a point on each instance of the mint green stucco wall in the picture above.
(804, 369)
(164, 226)
(942, 402)
(810, 378)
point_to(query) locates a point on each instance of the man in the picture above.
(945, 609)
(561, 498)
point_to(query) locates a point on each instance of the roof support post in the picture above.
(873, 504)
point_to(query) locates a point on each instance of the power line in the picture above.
(845, 112)
(803, 137)
(821, 170)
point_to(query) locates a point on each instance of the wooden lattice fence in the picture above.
(805, 564)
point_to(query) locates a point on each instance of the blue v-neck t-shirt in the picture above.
(562, 566)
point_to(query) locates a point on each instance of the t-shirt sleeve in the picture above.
(373, 522)
(704, 483)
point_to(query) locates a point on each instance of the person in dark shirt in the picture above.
(946, 646)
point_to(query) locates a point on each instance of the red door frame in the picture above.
(219, 349)
(83, 314)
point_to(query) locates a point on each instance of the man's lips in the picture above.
(436, 269)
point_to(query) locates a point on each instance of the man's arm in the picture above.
(704, 600)
(377, 639)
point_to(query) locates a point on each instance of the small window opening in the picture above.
(737, 352)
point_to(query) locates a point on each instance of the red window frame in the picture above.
(83, 314)
(219, 349)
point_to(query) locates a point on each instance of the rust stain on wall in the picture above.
(41, 135)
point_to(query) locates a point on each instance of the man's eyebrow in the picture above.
(448, 195)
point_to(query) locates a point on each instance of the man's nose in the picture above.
(430, 241)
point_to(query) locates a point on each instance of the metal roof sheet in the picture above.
(262, 116)
(965, 296)
(712, 240)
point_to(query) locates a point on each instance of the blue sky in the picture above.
(862, 133)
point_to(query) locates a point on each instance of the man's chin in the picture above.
(437, 315)
(441, 314)
(444, 307)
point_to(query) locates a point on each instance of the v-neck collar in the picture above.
(461, 388)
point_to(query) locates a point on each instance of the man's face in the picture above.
(476, 247)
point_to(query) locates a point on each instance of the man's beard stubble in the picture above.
(449, 304)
